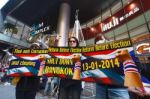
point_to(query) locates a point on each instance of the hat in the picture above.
(36, 44)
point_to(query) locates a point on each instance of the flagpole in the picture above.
(77, 31)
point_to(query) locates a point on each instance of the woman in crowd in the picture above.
(27, 87)
(69, 87)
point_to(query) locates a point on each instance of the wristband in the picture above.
(77, 65)
(129, 66)
(42, 64)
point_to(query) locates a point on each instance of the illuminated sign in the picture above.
(136, 9)
(143, 48)
(115, 20)
(39, 29)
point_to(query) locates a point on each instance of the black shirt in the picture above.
(28, 83)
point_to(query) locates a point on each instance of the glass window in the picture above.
(9, 25)
(106, 14)
(139, 31)
(97, 20)
(90, 41)
(10, 20)
(122, 36)
(149, 24)
(125, 2)
(90, 23)
(116, 7)
(109, 35)
(120, 30)
(136, 22)
(19, 27)
(147, 14)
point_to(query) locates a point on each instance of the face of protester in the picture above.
(72, 42)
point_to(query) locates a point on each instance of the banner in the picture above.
(21, 67)
(92, 63)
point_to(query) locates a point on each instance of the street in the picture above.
(7, 91)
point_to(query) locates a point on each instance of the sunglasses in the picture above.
(72, 41)
(34, 47)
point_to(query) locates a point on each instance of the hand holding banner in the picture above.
(98, 63)
(77, 67)
(42, 59)
(132, 77)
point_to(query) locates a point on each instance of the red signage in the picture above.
(124, 15)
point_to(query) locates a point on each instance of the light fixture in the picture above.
(92, 29)
(132, 6)
(2, 3)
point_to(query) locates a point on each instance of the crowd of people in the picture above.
(4, 65)
(3, 77)
(27, 87)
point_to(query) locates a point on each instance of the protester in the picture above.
(128, 62)
(55, 86)
(27, 87)
(43, 81)
(111, 92)
(70, 89)
(104, 91)
(47, 89)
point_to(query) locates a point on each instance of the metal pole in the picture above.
(63, 24)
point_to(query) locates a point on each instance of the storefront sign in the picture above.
(40, 28)
(136, 9)
(143, 48)
(116, 20)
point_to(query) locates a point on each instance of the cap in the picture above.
(36, 44)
